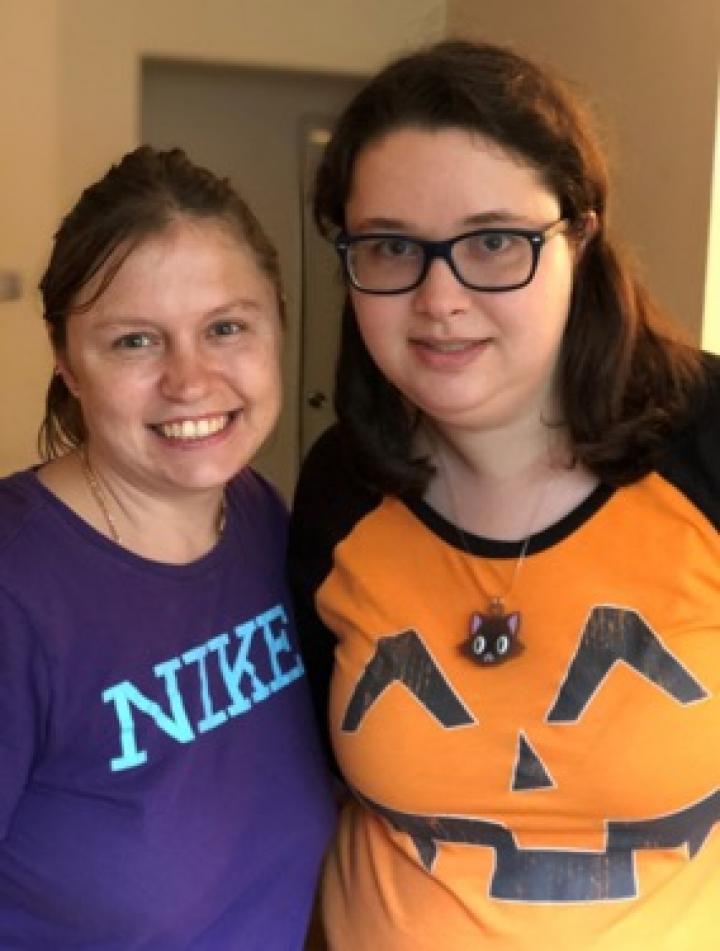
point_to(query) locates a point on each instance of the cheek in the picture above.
(116, 394)
(381, 322)
(259, 374)
(537, 314)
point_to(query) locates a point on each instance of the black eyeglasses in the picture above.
(489, 259)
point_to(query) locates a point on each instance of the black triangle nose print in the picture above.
(613, 635)
(405, 657)
(530, 772)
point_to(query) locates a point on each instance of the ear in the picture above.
(587, 228)
(62, 369)
(513, 622)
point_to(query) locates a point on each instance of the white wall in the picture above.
(102, 44)
(650, 69)
(69, 91)
(70, 95)
(29, 209)
(711, 324)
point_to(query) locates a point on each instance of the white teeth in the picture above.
(194, 428)
(451, 346)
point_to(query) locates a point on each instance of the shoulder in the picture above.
(20, 500)
(692, 459)
(329, 488)
(329, 500)
(23, 516)
(251, 493)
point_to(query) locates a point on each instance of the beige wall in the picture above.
(29, 208)
(69, 90)
(711, 326)
(102, 43)
(650, 69)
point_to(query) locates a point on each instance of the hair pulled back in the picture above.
(140, 196)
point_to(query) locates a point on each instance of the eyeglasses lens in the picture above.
(489, 260)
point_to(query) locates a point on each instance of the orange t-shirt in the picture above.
(566, 798)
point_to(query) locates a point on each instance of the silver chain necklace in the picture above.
(492, 635)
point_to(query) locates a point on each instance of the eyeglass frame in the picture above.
(537, 238)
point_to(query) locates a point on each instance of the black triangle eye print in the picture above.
(613, 635)
(404, 657)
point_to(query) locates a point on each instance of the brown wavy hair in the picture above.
(625, 375)
(139, 197)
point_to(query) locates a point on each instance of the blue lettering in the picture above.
(232, 674)
(127, 699)
(278, 643)
(198, 655)
(175, 725)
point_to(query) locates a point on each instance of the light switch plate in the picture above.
(10, 286)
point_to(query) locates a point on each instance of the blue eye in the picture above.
(394, 247)
(495, 242)
(488, 243)
(225, 328)
(133, 341)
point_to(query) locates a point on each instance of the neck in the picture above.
(527, 449)
(175, 528)
(505, 484)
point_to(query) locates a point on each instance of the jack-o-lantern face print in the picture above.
(614, 639)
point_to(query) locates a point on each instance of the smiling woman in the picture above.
(160, 780)
(176, 369)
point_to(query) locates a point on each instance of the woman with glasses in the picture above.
(506, 553)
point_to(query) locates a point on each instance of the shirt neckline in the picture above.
(486, 547)
(111, 548)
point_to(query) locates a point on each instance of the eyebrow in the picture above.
(241, 303)
(493, 218)
(128, 320)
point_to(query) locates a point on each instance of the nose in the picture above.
(441, 294)
(186, 374)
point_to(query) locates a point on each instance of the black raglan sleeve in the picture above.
(693, 462)
(329, 501)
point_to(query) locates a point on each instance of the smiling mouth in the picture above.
(187, 430)
(448, 346)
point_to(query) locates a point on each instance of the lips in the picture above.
(448, 346)
(188, 430)
(446, 355)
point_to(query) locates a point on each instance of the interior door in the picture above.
(265, 129)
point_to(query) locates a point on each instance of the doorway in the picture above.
(265, 130)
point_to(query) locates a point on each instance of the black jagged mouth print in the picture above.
(555, 875)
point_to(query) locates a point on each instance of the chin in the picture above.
(203, 477)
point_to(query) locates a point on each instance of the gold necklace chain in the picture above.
(99, 496)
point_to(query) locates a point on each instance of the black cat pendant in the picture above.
(493, 637)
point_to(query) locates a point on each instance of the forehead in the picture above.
(446, 175)
(188, 257)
